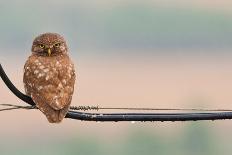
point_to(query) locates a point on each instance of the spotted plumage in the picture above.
(49, 76)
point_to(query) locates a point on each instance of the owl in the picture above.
(49, 76)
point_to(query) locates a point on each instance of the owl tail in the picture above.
(57, 115)
(53, 116)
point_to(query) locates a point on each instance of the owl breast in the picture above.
(50, 83)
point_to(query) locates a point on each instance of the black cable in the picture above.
(148, 117)
(13, 89)
(85, 108)
(124, 116)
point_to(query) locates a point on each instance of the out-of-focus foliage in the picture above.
(196, 138)
(125, 25)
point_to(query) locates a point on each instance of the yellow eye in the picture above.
(57, 44)
(41, 46)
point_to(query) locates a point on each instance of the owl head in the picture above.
(49, 44)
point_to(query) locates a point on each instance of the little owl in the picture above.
(49, 76)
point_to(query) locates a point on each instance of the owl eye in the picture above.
(41, 46)
(57, 44)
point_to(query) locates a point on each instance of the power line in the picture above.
(193, 116)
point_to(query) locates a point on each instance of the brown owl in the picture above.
(49, 76)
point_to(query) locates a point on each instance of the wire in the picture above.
(85, 108)
(123, 116)
(13, 89)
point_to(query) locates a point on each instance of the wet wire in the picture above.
(73, 113)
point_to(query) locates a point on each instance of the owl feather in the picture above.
(49, 76)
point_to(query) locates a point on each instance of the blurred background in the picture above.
(130, 53)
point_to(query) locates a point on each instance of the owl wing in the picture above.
(64, 87)
(50, 86)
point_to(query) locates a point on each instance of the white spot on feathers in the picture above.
(46, 70)
(55, 97)
(30, 84)
(36, 71)
(41, 67)
(64, 81)
(57, 103)
(70, 88)
(58, 64)
(62, 48)
(40, 75)
(40, 87)
(47, 77)
(60, 85)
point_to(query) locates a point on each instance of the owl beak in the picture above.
(49, 52)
